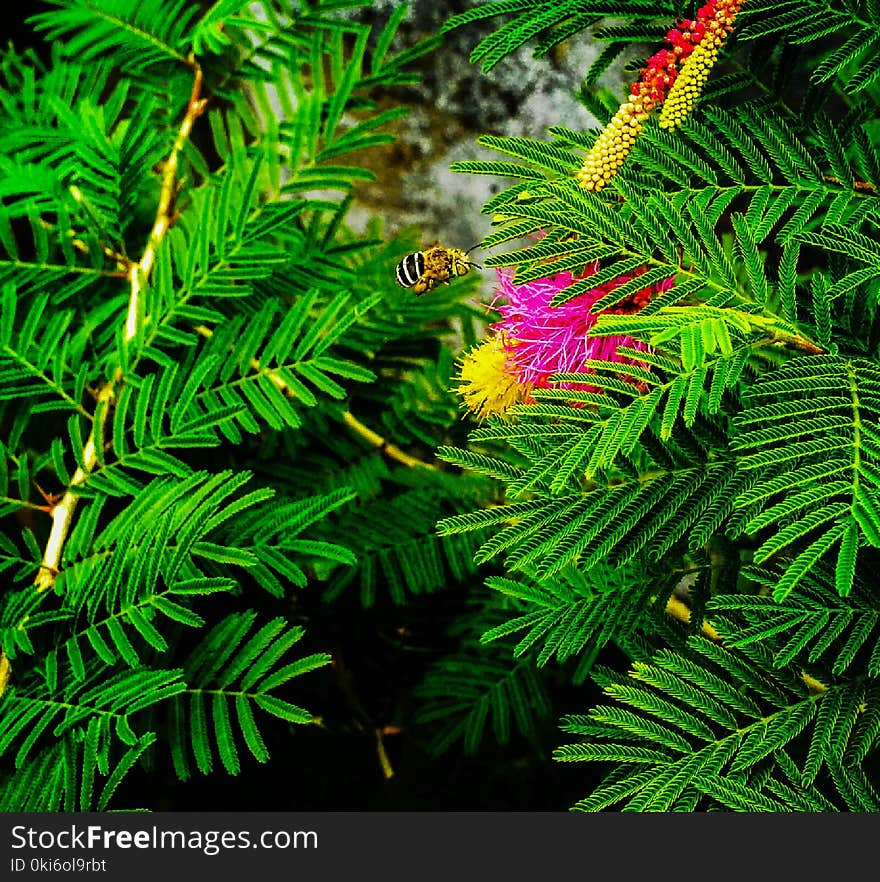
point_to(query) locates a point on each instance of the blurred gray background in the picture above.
(454, 103)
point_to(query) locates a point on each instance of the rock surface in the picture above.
(454, 103)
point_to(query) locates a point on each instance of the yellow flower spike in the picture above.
(695, 71)
(673, 78)
(612, 146)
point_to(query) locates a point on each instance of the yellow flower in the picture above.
(484, 382)
(673, 78)
(616, 140)
(686, 89)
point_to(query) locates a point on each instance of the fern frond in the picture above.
(575, 614)
(557, 21)
(138, 35)
(724, 746)
(233, 672)
(466, 692)
(814, 411)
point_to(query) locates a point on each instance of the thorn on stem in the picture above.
(52, 499)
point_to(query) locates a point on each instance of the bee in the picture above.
(424, 270)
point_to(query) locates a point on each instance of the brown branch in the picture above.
(62, 513)
(384, 762)
(384, 446)
(362, 717)
(165, 212)
(864, 186)
(5, 670)
(681, 611)
(817, 687)
(781, 338)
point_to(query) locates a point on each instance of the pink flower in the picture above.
(542, 340)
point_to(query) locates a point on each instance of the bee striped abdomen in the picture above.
(410, 269)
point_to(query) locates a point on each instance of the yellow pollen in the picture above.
(485, 385)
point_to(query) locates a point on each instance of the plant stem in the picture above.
(62, 513)
(382, 445)
(165, 212)
(376, 440)
(681, 611)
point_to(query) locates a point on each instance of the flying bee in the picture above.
(424, 270)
